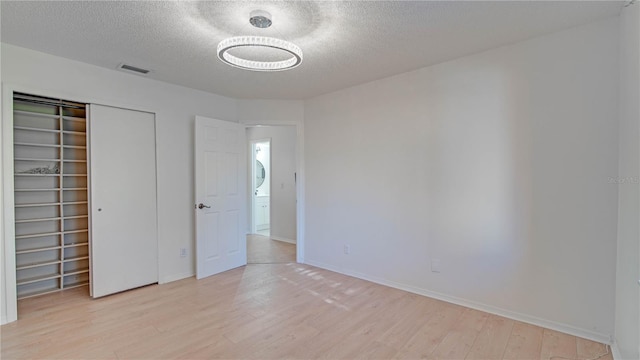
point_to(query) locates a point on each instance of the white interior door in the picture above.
(124, 241)
(221, 207)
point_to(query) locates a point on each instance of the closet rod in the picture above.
(47, 101)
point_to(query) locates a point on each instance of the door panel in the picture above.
(124, 241)
(220, 173)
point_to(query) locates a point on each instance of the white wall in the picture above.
(627, 332)
(283, 186)
(270, 112)
(175, 108)
(3, 288)
(496, 164)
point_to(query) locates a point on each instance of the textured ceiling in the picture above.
(344, 43)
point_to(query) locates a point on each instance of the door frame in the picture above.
(252, 167)
(8, 294)
(300, 178)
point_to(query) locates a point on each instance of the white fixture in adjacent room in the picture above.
(259, 19)
(261, 173)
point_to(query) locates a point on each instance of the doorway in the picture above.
(261, 177)
(272, 186)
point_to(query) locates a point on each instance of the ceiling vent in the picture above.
(133, 69)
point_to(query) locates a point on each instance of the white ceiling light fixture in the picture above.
(259, 19)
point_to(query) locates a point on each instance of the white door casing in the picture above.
(221, 178)
(124, 236)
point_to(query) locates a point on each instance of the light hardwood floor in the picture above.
(274, 311)
(263, 250)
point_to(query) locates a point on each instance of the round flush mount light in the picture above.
(259, 41)
(259, 19)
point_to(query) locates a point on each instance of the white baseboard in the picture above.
(564, 328)
(290, 241)
(175, 277)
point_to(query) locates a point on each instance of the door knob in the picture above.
(202, 206)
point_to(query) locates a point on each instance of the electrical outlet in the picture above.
(183, 252)
(435, 265)
(347, 249)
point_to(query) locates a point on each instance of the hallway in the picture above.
(263, 250)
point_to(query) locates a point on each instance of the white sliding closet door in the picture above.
(124, 242)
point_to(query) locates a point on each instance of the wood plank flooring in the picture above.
(263, 250)
(274, 311)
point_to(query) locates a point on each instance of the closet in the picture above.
(50, 195)
(84, 197)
